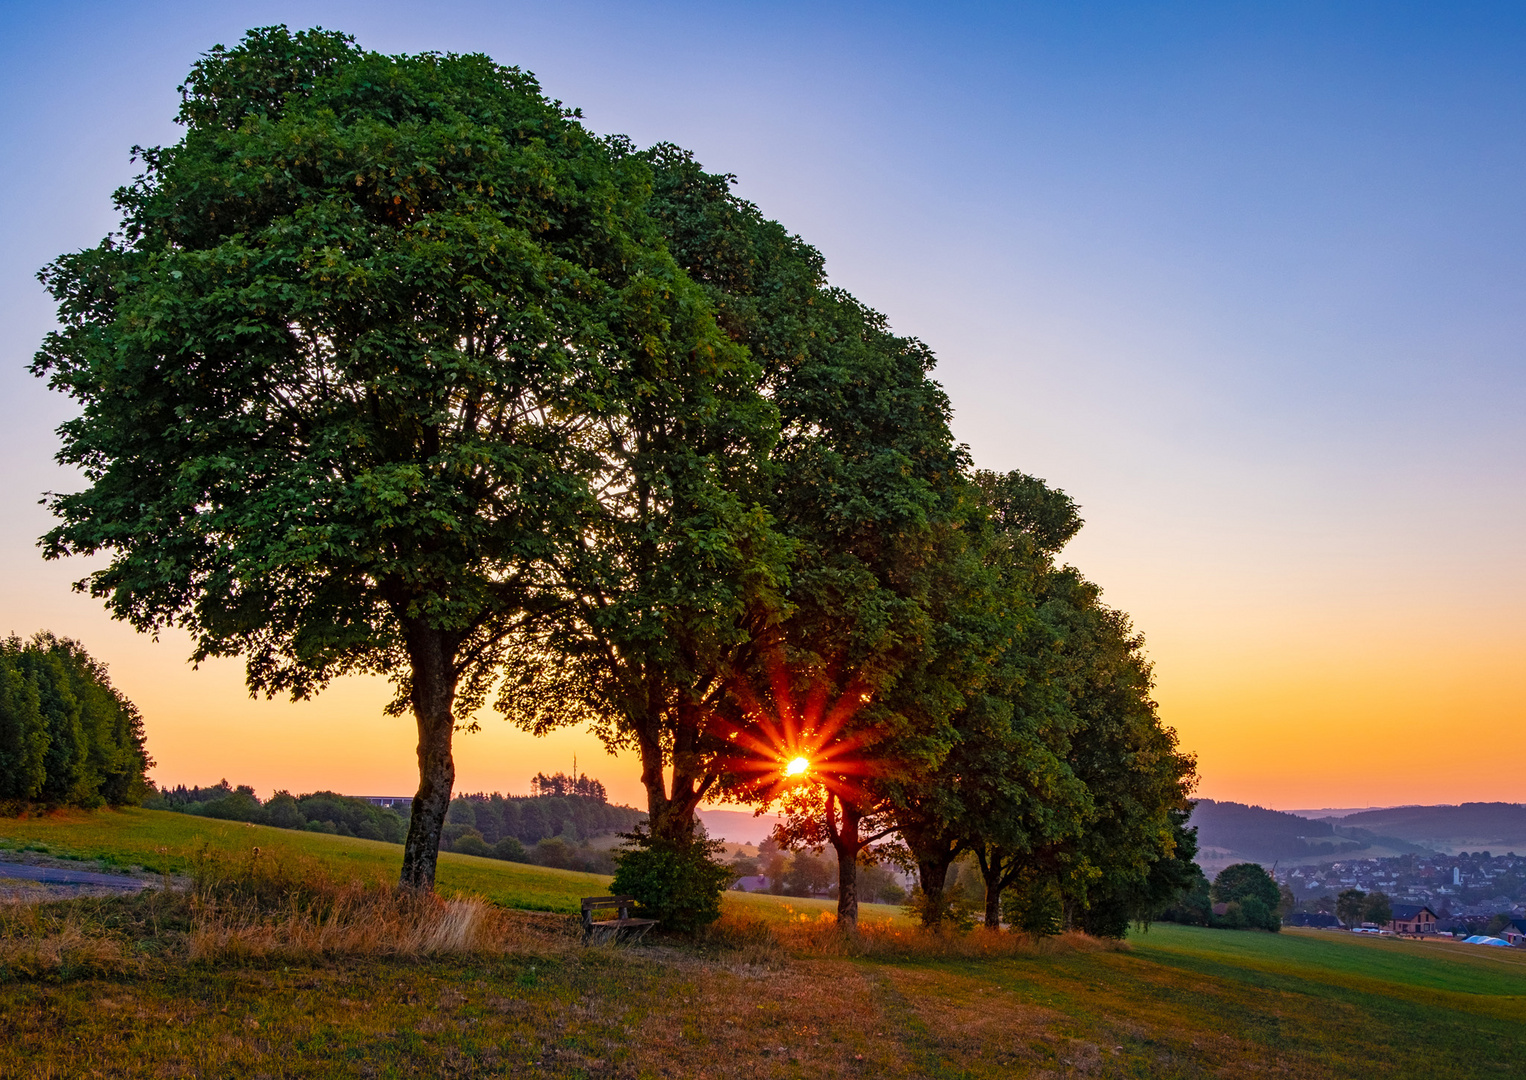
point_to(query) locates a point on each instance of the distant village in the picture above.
(1466, 892)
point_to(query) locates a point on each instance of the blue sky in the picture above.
(1248, 280)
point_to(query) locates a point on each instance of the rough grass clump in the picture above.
(254, 905)
(258, 905)
(41, 938)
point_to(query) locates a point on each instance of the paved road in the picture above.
(57, 875)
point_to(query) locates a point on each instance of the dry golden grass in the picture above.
(252, 906)
(817, 935)
(37, 940)
(258, 906)
(357, 920)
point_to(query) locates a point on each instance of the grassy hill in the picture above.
(766, 994)
(1231, 832)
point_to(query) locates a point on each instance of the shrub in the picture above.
(554, 852)
(454, 832)
(1251, 893)
(1033, 904)
(471, 844)
(511, 850)
(240, 805)
(282, 812)
(677, 882)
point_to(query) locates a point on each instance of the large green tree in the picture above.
(351, 371)
(1086, 796)
(855, 668)
(1007, 790)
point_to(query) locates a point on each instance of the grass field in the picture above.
(163, 842)
(767, 995)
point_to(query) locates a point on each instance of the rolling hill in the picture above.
(1230, 832)
(1496, 826)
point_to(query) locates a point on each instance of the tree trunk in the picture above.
(846, 842)
(933, 876)
(656, 788)
(671, 816)
(666, 818)
(434, 693)
(993, 869)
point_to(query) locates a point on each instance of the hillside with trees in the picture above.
(1498, 826)
(544, 828)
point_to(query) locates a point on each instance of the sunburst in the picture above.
(786, 742)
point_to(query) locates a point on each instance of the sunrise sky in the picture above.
(1248, 281)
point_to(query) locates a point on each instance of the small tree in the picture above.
(1351, 907)
(1377, 908)
(1254, 890)
(676, 883)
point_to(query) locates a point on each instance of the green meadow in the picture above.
(772, 991)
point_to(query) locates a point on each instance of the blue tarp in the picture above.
(1482, 939)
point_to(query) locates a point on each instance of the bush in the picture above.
(240, 805)
(554, 852)
(472, 844)
(1250, 895)
(282, 812)
(678, 883)
(511, 850)
(1033, 904)
(455, 832)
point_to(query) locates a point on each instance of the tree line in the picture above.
(320, 811)
(67, 736)
(395, 367)
(549, 830)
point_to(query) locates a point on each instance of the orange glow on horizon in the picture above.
(1301, 708)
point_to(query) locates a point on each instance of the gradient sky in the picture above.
(1247, 280)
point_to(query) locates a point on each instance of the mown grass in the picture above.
(767, 993)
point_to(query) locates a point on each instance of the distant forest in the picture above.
(1488, 822)
(321, 811)
(1262, 835)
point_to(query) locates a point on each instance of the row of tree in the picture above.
(67, 736)
(395, 367)
(539, 817)
(321, 811)
(501, 826)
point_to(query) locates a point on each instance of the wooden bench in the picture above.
(622, 926)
